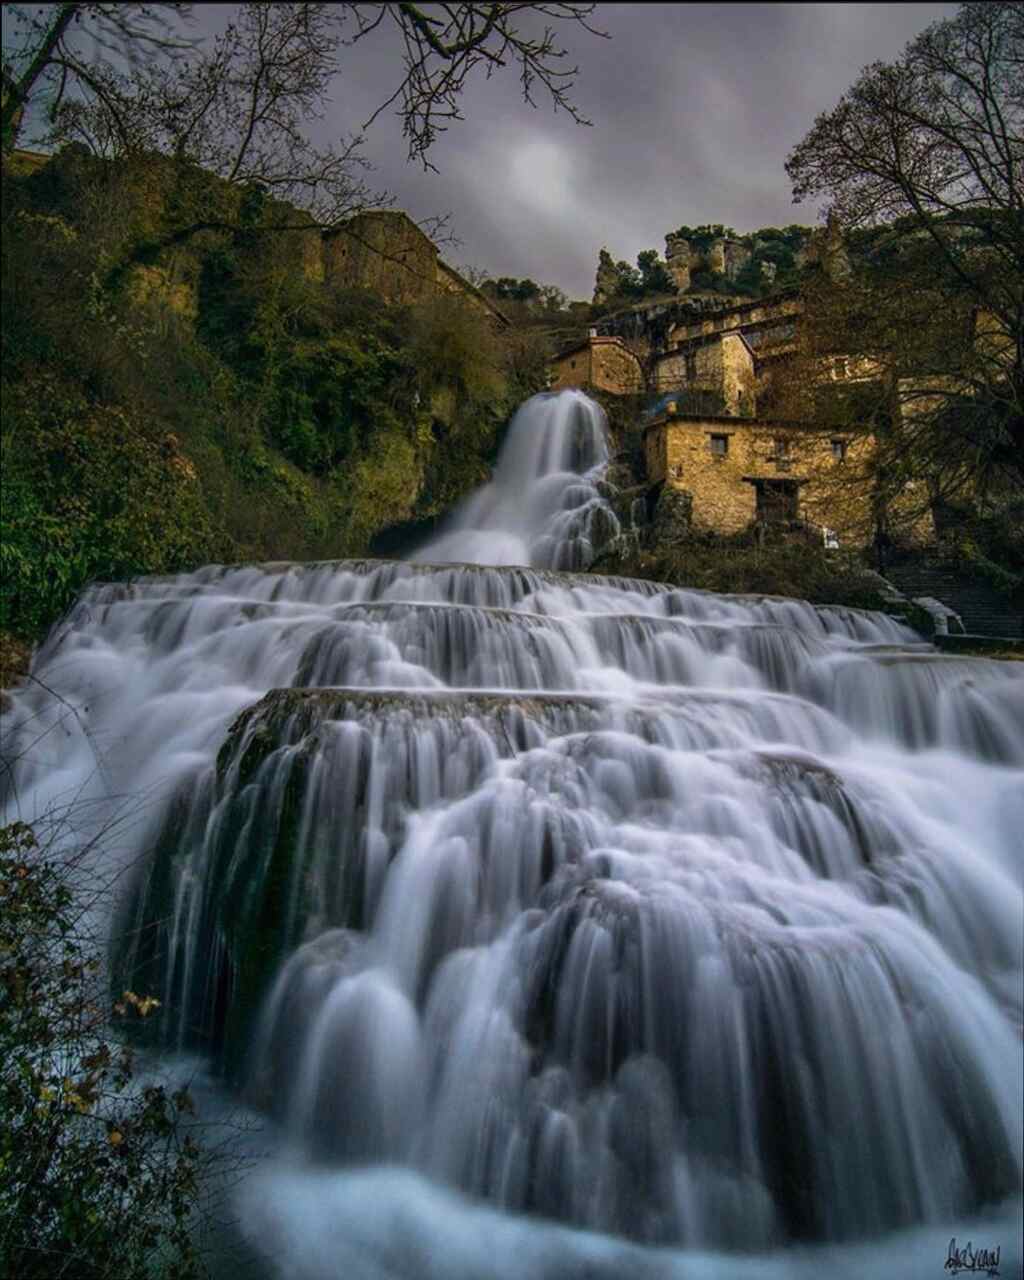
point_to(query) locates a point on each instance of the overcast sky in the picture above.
(694, 109)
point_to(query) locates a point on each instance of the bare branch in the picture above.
(440, 53)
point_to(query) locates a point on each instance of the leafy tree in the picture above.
(622, 283)
(628, 282)
(509, 289)
(654, 276)
(701, 237)
(927, 153)
(552, 298)
(88, 492)
(532, 297)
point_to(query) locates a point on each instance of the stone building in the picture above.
(709, 367)
(738, 471)
(677, 260)
(384, 251)
(606, 364)
(718, 367)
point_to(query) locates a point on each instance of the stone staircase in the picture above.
(983, 610)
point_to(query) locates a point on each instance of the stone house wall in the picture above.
(722, 364)
(679, 452)
(604, 363)
(383, 251)
(753, 314)
(738, 376)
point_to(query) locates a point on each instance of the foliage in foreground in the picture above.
(99, 1174)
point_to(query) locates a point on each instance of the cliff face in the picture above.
(182, 383)
(715, 256)
(713, 261)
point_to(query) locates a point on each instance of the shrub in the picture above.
(99, 1173)
(789, 566)
(87, 493)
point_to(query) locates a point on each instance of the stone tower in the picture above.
(828, 249)
(677, 259)
(606, 280)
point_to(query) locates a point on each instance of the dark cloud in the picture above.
(694, 109)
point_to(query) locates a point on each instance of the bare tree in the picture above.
(239, 108)
(443, 44)
(241, 105)
(927, 154)
(932, 146)
(55, 50)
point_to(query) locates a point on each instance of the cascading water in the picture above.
(558, 917)
(543, 507)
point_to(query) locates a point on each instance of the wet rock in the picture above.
(671, 520)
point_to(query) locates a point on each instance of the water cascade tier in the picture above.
(677, 919)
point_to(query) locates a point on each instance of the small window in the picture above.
(840, 367)
(839, 450)
(781, 447)
(719, 446)
(572, 364)
(691, 365)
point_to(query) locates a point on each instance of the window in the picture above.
(781, 447)
(840, 367)
(719, 446)
(691, 365)
(572, 364)
(839, 450)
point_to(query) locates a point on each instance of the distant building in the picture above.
(709, 367)
(741, 471)
(603, 363)
(384, 251)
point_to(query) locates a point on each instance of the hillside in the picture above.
(179, 386)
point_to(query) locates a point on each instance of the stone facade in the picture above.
(604, 363)
(751, 318)
(385, 252)
(677, 260)
(740, 471)
(720, 365)
(728, 257)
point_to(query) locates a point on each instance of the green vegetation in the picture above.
(168, 402)
(786, 566)
(100, 1175)
(772, 247)
(701, 237)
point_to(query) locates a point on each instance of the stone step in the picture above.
(983, 609)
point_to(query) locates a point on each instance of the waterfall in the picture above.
(542, 507)
(566, 924)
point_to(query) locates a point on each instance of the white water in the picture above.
(568, 925)
(543, 507)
